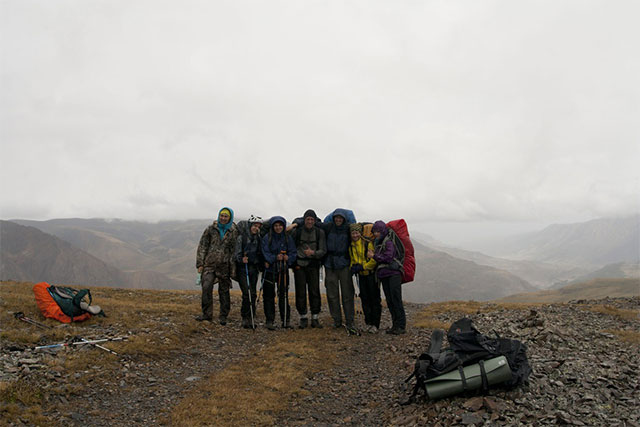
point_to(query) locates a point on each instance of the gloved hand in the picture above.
(356, 268)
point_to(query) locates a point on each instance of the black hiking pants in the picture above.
(370, 296)
(307, 278)
(279, 280)
(248, 304)
(392, 287)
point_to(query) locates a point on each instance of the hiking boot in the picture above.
(337, 325)
(246, 323)
(270, 326)
(315, 324)
(286, 325)
(398, 331)
(303, 323)
(203, 317)
(352, 331)
(223, 321)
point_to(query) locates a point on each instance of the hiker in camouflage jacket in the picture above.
(214, 260)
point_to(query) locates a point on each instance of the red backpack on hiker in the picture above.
(399, 227)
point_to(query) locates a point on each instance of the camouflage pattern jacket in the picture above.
(215, 253)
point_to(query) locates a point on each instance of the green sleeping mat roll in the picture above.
(497, 370)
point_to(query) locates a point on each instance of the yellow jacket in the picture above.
(358, 255)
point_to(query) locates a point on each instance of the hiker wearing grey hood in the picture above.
(215, 261)
(338, 279)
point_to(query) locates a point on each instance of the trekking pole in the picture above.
(100, 347)
(285, 293)
(67, 344)
(20, 316)
(246, 270)
(279, 290)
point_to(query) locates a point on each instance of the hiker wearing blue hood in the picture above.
(338, 279)
(215, 262)
(385, 253)
(279, 253)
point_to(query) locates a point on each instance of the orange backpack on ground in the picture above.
(50, 308)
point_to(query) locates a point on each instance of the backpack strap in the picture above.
(435, 345)
(483, 375)
(398, 249)
(244, 243)
(80, 295)
(62, 292)
(463, 378)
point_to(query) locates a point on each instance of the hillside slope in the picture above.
(589, 244)
(172, 370)
(28, 254)
(442, 277)
(594, 289)
(619, 270)
(539, 274)
(166, 248)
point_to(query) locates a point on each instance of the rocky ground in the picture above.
(583, 373)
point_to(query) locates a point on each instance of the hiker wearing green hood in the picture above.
(214, 260)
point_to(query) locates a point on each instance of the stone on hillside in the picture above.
(473, 404)
(468, 419)
(490, 404)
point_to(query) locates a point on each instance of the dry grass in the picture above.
(631, 337)
(427, 318)
(20, 402)
(156, 321)
(615, 312)
(255, 390)
(250, 392)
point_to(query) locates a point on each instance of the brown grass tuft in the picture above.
(615, 312)
(20, 402)
(631, 337)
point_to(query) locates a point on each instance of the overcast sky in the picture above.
(470, 112)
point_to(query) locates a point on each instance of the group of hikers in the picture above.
(244, 251)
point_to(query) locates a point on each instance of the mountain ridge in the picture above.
(29, 254)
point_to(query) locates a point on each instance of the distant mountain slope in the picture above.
(593, 243)
(29, 254)
(594, 289)
(540, 274)
(442, 277)
(168, 248)
(619, 270)
(165, 247)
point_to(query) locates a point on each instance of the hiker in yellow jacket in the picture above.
(364, 270)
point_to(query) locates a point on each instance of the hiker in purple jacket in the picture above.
(390, 274)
